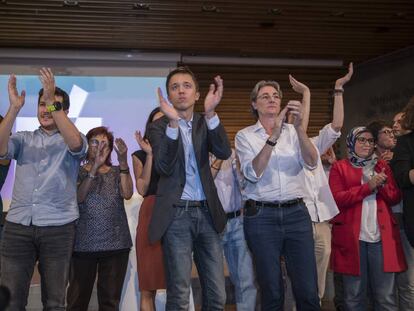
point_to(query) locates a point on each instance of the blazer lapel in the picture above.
(195, 136)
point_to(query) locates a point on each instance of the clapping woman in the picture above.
(103, 240)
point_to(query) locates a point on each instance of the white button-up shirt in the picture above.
(280, 180)
(318, 196)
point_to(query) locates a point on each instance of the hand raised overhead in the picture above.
(16, 100)
(297, 86)
(48, 82)
(339, 84)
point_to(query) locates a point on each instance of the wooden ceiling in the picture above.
(338, 29)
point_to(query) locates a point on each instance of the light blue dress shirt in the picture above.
(44, 192)
(193, 189)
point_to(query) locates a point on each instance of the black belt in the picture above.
(233, 214)
(274, 204)
(190, 203)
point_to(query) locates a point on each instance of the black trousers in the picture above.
(111, 273)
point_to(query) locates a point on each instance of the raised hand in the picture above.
(297, 86)
(48, 82)
(214, 95)
(166, 108)
(143, 143)
(295, 109)
(339, 84)
(121, 150)
(277, 129)
(16, 100)
(101, 155)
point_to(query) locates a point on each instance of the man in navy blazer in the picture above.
(188, 215)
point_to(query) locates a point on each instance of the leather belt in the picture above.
(190, 203)
(233, 214)
(274, 204)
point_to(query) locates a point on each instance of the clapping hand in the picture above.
(121, 150)
(166, 108)
(214, 95)
(48, 82)
(16, 100)
(143, 143)
(297, 86)
(339, 84)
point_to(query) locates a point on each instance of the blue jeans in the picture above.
(192, 231)
(405, 280)
(372, 272)
(285, 231)
(21, 247)
(240, 264)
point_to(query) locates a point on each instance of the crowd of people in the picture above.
(278, 199)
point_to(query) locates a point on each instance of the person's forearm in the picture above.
(338, 111)
(142, 173)
(5, 129)
(126, 186)
(261, 161)
(307, 149)
(83, 188)
(215, 167)
(306, 96)
(68, 130)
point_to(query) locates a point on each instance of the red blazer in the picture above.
(345, 183)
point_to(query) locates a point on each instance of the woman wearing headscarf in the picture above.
(366, 246)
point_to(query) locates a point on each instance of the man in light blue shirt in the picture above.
(40, 222)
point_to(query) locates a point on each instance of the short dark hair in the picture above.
(58, 92)
(151, 119)
(102, 130)
(181, 70)
(407, 121)
(376, 126)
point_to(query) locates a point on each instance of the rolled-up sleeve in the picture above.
(246, 157)
(81, 153)
(13, 146)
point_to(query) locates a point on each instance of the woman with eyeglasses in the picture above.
(366, 245)
(103, 240)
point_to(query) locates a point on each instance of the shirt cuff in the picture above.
(213, 122)
(81, 153)
(250, 173)
(172, 132)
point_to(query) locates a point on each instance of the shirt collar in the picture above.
(50, 133)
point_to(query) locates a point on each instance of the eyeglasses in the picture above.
(267, 97)
(93, 142)
(363, 140)
(387, 132)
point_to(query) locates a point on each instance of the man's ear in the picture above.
(197, 96)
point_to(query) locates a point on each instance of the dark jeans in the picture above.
(284, 231)
(111, 273)
(192, 231)
(21, 247)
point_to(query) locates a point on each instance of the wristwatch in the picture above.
(271, 143)
(56, 106)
